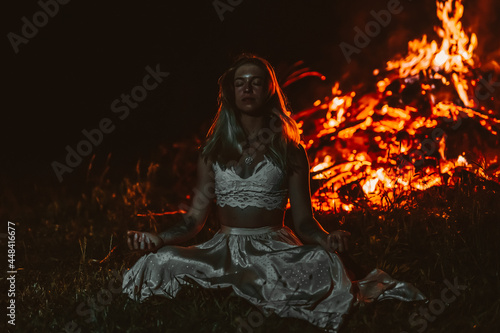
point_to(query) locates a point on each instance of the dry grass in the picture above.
(63, 235)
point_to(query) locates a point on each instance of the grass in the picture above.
(70, 250)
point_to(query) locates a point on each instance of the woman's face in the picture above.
(250, 89)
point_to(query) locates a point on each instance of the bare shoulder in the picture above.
(298, 158)
(205, 165)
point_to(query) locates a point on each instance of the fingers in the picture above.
(131, 235)
(337, 241)
(345, 238)
(340, 242)
(346, 241)
(138, 240)
(142, 244)
(332, 243)
(129, 242)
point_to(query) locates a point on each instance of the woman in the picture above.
(252, 163)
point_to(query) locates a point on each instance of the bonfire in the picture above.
(430, 116)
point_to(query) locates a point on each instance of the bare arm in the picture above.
(306, 226)
(190, 223)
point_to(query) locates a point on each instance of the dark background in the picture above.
(66, 77)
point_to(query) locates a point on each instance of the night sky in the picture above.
(65, 78)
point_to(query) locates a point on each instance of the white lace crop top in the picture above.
(265, 188)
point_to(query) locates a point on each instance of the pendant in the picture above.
(248, 160)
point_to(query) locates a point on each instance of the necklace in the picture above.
(249, 152)
(248, 160)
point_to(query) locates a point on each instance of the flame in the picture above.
(461, 161)
(454, 55)
(323, 165)
(373, 149)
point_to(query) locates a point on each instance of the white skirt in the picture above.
(270, 268)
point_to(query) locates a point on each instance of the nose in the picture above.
(247, 87)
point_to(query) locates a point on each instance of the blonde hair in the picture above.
(223, 143)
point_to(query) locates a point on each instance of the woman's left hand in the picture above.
(337, 241)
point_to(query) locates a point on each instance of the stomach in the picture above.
(250, 217)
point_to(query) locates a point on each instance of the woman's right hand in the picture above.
(138, 240)
(336, 241)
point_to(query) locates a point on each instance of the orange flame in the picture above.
(454, 55)
(369, 151)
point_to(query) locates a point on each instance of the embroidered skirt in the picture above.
(270, 268)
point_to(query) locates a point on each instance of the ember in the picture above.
(410, 132)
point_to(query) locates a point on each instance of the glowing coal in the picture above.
(425, 118)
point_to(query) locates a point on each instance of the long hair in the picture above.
(223, 143)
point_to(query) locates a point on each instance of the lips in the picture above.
(248, 99)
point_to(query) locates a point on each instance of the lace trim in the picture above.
(263, 189)
(253, 199)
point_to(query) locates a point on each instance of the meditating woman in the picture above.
(252, 163)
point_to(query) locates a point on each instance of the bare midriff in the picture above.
(249, 217)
